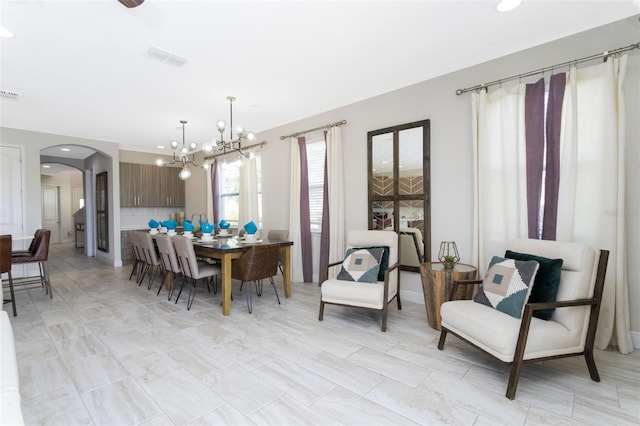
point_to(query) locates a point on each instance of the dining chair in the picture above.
(151, 259)
(170, 262)
(138, 256)
(5, 268)
(257, 263)
(191, 268)
(279, 235)
(38, 253)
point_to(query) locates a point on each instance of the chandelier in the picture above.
(231, 145)
(182, 154)
(185, 154)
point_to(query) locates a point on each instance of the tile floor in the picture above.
(107, 352)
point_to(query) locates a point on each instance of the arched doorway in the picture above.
(70, 172)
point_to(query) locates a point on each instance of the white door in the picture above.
(11, 192)
(51, 211)
(11, 208)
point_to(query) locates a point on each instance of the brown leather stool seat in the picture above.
(38, 253)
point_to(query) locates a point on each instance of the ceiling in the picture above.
(84, 68)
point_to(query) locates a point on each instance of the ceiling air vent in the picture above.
(166, 57)
(9, 95)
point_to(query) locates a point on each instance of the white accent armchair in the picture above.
(374, 296)
(411, 249)
(569, 332)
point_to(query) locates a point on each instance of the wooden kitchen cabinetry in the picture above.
(145, 185)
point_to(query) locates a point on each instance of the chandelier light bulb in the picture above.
(207, 148)
(507, 5)
(185, 173)
(221, 125)
(193, 146)
(251, 136)
(174, 144)
(205, 165)
(159, 162)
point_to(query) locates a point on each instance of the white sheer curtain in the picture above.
(335, 177)
(294, 213)
(591, 200)
(249, 208)
(500, 196)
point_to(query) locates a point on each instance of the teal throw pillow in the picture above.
(361, 264)
(384, 262)
(507, 285)
(547, 282)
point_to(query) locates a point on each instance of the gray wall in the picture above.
(451, 149)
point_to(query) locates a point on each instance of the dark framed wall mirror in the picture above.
(399, 193)
(102, 213)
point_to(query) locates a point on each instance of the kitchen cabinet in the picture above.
(145, 185)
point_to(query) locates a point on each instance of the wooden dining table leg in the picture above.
(226, 284)
(286, 250)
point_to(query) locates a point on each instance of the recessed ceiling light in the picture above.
(65, 149)
(161, 147)
(507, 5)
(5, 33)
(46, 166)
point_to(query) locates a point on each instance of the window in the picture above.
(230, 190)
(315, 162)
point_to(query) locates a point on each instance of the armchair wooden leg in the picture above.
(321, 313)
(591, 364)
(443, 336)
(513, 379)
(399, 303)
(384, 317)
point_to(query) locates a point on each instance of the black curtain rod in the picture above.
(604, 55)
(326, 126)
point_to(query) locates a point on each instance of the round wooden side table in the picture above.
(436, 286)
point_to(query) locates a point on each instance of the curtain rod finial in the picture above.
(459, 92)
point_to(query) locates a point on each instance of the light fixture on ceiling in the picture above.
(131, 3)
(231, 145)
(181, 155)
(5, 33)
(507, 5)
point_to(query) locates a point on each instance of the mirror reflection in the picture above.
(399, 192)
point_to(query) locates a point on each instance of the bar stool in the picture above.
(38, 253)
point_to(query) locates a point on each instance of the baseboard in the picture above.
(635, 336)
(412, 296)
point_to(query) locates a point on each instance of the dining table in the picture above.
(227, 248)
